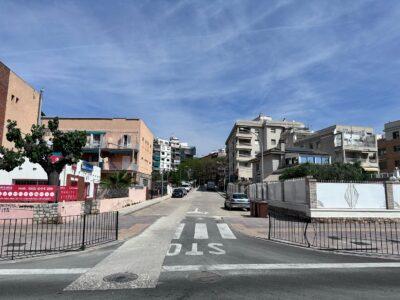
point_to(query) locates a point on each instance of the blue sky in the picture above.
(191, 68)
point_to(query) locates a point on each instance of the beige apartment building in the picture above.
(243, 143)
(345, 144)
(18, 102)
(115, 144)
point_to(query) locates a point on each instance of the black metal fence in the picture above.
(369, 236)
(30, 237)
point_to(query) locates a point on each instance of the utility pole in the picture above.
(162, 183)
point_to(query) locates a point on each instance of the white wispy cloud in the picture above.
(191, 68)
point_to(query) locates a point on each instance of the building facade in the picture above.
(243, 143)
(389, 148)
(115, 144)
(18, 102)
(277, 159)
(161, 155)
(345, 144)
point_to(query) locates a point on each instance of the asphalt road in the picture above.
(189, 252)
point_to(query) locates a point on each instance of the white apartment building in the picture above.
(162, 160)
(243, 143)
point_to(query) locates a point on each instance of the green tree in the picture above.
(66, 146)
(119, 180)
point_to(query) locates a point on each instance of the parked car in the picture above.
(186, 186)
(211, 186)
(178, 193)
(237, 200)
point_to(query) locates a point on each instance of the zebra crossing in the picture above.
(202, 239)
(201, 231)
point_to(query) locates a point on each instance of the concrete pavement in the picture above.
(190, 250)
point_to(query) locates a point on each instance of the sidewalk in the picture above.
(254, 227)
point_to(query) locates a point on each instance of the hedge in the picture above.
(336, 171)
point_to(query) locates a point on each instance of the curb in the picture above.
(131, 209)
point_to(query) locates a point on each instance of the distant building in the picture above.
(18, 102)
(187, 152)
(243, 143)
(345, 144)
(115, 144)
(275, 160)
(389, 148)
(162, 160)
(216, 153)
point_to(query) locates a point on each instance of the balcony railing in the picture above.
(118, 166)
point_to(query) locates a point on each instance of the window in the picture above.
(382, 151)
(273, 130)
(396, 148)
(397, 163)
(311, 146)
(273, 142)
(396, 135)
(382, 165)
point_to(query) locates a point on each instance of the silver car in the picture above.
(237, 200)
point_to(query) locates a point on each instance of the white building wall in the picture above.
(27, 171)
(396, 196)
(351, 195)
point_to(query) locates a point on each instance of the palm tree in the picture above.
(120, 180)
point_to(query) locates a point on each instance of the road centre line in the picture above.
(244, 267)
(4, 272)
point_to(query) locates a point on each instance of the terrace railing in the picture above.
(32, 237)
(356, 235)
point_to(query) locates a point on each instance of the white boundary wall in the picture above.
(351, 195)
(396, 196)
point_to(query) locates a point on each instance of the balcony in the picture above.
(120, 166)
(243, 145)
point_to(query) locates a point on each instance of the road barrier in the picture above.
(359, 235)
(32, 237)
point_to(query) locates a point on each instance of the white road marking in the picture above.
(178, 231)
(216, 250)
(194, 251)
(200, 231)
(225, 231)
(196, 211)
(245, 267)
(177, 249)
(42, 271)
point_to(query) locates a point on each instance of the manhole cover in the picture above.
(121, 277)
(205, 277)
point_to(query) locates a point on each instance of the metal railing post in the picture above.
(116, 226)
(13, 243)
(269, 225)
(83, 232)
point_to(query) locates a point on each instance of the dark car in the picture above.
(178, 193)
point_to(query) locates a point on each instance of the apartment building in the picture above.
(345, 144)
(161, 155)
(187, 152)
(243, 143)
(18, 102)
(116, 144)
(389, 148)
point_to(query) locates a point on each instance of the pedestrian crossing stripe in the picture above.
(201, 231)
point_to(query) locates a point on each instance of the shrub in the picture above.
(336, 171)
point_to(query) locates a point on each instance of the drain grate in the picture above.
(121, 277)
(205, 277)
